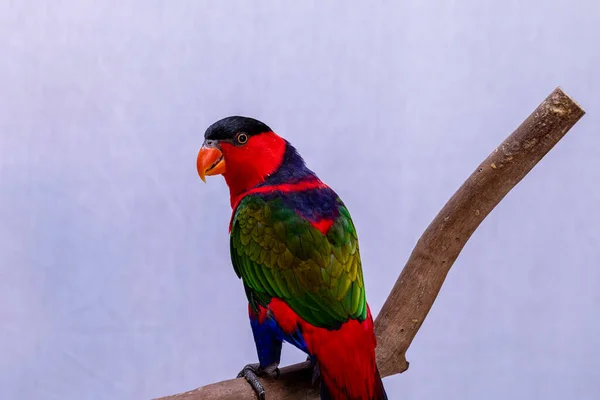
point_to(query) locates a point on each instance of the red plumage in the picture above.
(343, 354)
(248, 165)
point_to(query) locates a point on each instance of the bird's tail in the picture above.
(330, 391)
(347, 364)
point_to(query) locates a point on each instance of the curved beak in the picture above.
(210, 161)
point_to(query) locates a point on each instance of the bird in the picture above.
(295, 248)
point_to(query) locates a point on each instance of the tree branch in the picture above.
(421, 279)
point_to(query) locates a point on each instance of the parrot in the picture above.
(295, 248)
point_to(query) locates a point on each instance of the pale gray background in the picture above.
(115, 279)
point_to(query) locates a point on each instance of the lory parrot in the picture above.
(295, 248)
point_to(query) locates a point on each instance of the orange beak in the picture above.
(210, 162)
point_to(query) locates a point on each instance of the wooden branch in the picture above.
(421, 279)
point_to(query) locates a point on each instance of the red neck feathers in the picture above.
(251, 164)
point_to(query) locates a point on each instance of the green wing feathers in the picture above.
(279, 254)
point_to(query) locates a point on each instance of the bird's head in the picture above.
(245, 151)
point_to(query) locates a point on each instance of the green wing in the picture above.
(279, 254)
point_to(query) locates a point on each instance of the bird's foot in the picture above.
(251, 372)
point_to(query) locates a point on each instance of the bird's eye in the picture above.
(242, 138)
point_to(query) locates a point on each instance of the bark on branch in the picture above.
(421, 279)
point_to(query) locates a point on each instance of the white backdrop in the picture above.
(115, 279)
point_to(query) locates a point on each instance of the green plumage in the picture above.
(277, 253)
